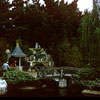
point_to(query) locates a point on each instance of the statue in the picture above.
(36, 45)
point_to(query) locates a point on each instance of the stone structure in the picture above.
(17, 52)
(39, 56)
(62, 83)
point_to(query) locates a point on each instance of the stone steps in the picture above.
(92, 93)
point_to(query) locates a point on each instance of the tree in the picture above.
(75, 57)
(4, 8)
(67, 55)
(47, 24)
(3, 46)
(89, 29)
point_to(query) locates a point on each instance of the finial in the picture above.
(17, 44)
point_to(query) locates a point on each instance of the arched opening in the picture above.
(39, 66)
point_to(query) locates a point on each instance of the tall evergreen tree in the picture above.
(4, 8)
(89, 29)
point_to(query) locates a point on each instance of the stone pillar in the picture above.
(21, 68)
(62, 83)
(61, 75)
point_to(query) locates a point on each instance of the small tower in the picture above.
(17, 44)
(17, 52)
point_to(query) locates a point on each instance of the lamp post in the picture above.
(8, 53)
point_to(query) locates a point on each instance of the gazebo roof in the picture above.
(17, 52)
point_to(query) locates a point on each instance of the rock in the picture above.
(91, 92)
(29, 70)
(24, 88)
(3, 87)
(44, 86)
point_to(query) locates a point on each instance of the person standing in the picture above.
(13, 64)
(5, 66)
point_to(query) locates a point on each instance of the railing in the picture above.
(56, 71)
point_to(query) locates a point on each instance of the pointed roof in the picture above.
(17, 52)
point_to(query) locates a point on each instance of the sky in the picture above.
(82, 4)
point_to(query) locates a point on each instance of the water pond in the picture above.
(43, 88)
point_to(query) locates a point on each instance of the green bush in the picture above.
(87, 74)
(14, 77)
(12, 69)
(89, 84)
(87, 77)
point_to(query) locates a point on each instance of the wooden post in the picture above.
(61, 73)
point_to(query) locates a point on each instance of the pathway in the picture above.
(33, 73)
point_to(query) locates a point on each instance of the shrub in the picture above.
(87, 74)
(12, 69)
(87, 77)
(89, 84)
(13, 77)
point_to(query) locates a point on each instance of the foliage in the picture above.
(67, 54)
(87, 77)
(63, 49)
(46, 24)
(14, 77)
(89, 84)
(3, 46)
(89, 40)
(1, 71)
(54, 26)
(76, 57)
(12, 69)
(87, 73)
(4, 5)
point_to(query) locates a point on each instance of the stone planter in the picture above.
(3, 87)
(20, 68)
(62, 83)
(91, 93)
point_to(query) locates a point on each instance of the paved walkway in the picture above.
(33, 73)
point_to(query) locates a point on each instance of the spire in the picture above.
(17, 44)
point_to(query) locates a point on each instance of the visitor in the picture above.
(5, 66)
(13, 64)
